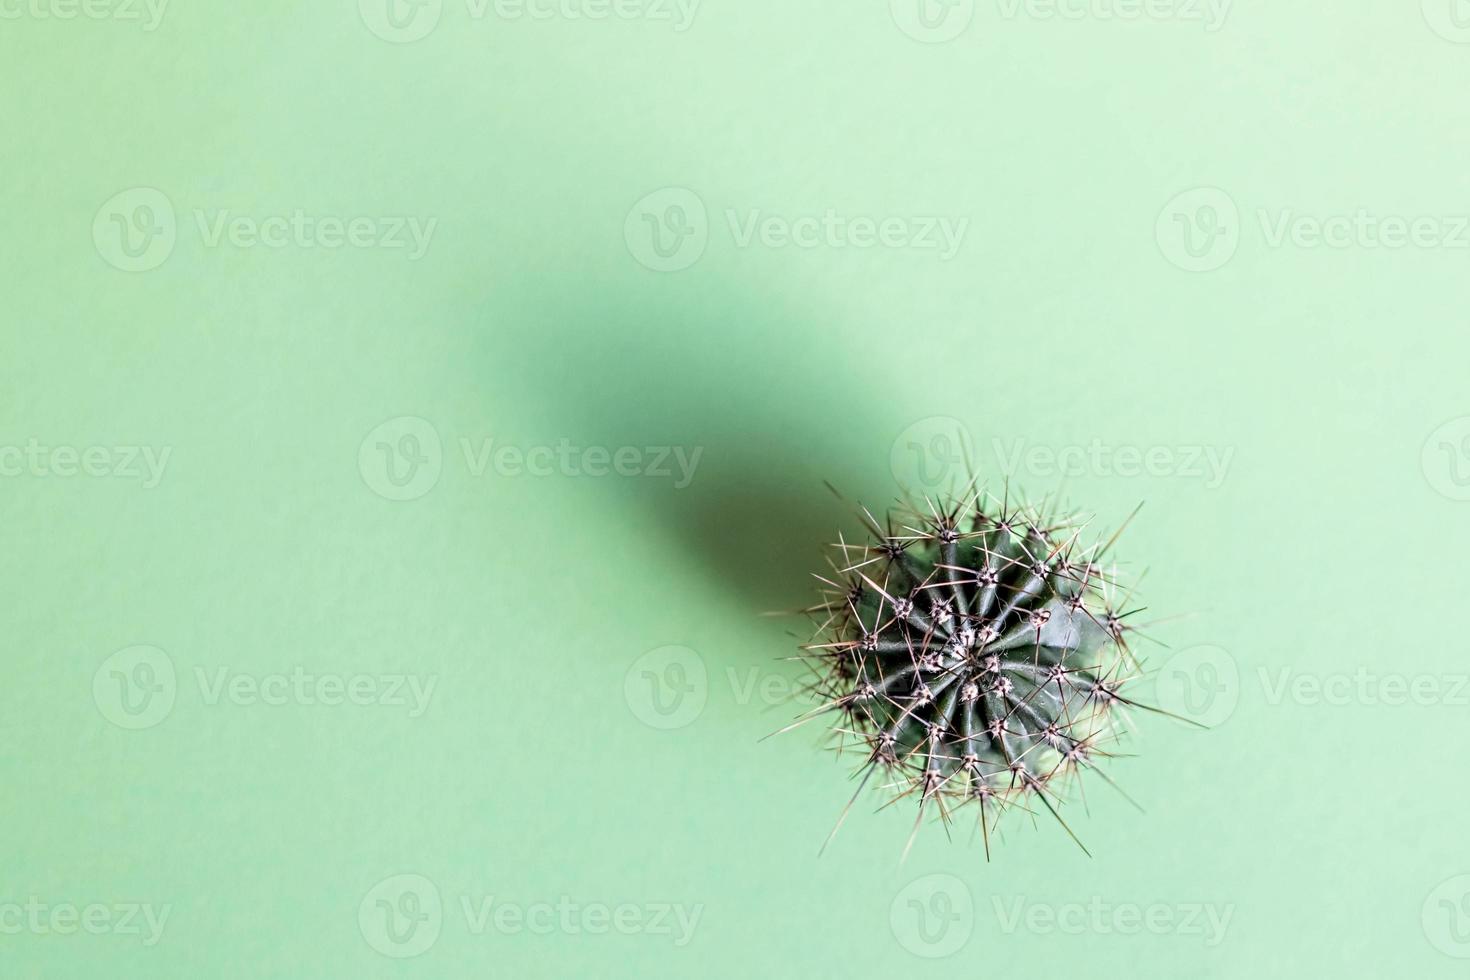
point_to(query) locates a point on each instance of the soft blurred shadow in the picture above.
(770, 396)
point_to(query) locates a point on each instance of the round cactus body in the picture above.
(976, 656)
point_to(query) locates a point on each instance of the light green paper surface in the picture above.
(303, 664)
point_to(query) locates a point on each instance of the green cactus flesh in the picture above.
(975, 655)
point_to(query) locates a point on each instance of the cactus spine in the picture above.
(975, 653)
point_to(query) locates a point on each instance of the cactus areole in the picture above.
(974, 654)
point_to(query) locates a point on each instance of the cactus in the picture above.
(976, 653)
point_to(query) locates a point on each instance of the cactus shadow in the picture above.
(754, 388)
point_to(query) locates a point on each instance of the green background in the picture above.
(1331, 831)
